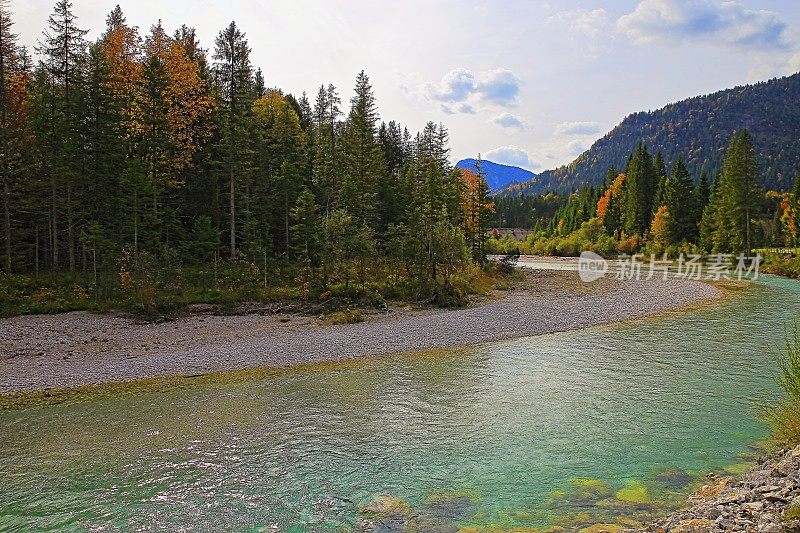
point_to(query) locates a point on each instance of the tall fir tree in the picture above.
(639, 191)
(9, 57)
(233, 79)
(680, 204)
(362, 160)
(64, 49)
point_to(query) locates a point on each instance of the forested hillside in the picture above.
(142, 168)
(495, 174)
(698, 129)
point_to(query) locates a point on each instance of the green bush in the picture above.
(784, 416)
(782, 266)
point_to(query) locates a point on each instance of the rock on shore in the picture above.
(765, 500)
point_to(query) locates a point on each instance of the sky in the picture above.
(526, 83)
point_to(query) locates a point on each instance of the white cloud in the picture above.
(575, 148)
(507, 120)
(577, 128)
(456, 86)
(793, 65)
(727, 23)
(511, 155)
(499, 87)
(583, 21)
(466, 108)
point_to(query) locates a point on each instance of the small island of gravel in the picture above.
(67, 350)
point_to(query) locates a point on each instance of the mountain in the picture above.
(497, 175)
(697, 129)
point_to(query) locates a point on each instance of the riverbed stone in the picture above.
(387, 506)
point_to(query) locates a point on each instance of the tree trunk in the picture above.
(286, 223)
(6, 212)
(54, 229)
(233, 215)
(70, 227)
(4, 145)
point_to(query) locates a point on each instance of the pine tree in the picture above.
(64, 49)
(153, 141)
(703, 191)
(680, 204)
(796, 192)
(362, 160)
(640, 188)
(325, 141)
(232, 74)
(660, 195)
(105, 153)
(259, 87)
(739, 194)
(9, 56)
(305, 230)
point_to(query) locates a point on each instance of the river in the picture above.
(606, 424)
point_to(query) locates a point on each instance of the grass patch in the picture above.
(792, 513)
(346, 316)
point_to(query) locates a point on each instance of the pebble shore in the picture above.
(765, 500)
(59, 351)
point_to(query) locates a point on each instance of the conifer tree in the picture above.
(680, 204)
(64, 48)
(362, 160)
(660, 194)
(739, 193)
(326, 145)
(232, 75)
(639, 191)
(9, 56)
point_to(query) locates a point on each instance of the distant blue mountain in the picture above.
(498, 176)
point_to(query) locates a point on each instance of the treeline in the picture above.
(650, 208)
(131, 153)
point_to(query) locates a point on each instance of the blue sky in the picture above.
(529, 83)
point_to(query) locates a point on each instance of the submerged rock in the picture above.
(456, 507)
(674, 479)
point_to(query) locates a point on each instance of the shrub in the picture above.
(784, 416)
(149, 281)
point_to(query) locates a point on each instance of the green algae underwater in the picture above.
(608, 425)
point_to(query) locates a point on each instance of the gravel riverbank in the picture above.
(46, 351)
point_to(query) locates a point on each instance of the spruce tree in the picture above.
(362, 159)
(660, 194)
(232, 76)
(680, 204)
(639, 191)
(9, 56)
(739, 195)
(64, 49)
(325, 141)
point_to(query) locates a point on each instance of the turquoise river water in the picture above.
(609, 424)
